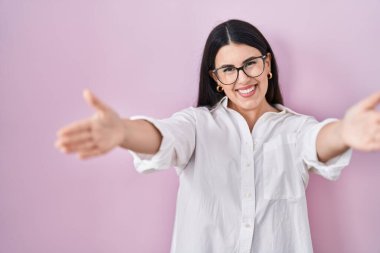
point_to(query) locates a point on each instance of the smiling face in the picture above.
(247, 93)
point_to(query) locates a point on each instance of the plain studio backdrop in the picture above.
(143, 57)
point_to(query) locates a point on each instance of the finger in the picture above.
(371, 101)
(80, 147)
(77, 138)
(94, 101)
(78, 126)
(90, 153)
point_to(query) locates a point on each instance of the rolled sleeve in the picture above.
(331, 169)
(177, 145)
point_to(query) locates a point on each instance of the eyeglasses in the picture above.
(229, 74)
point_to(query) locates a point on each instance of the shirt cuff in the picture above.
(331, 169)
(147, 163)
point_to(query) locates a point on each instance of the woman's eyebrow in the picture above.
(249, 59)
(245, 61)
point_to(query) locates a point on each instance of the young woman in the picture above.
(242, 157)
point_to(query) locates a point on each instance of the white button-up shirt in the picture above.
(240, 191)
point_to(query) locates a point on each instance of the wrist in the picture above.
(341, 133)
(125, 133)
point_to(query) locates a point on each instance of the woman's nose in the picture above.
(242, 77)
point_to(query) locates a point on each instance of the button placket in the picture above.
(247, 192)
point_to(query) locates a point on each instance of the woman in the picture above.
(243, 159)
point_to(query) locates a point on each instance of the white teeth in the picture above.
(248, 90)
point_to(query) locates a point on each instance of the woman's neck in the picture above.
(251, 116)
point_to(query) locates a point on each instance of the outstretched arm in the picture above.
(359, 129)
(105, 131)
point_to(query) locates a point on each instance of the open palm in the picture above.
(93, 136)
(361, 125)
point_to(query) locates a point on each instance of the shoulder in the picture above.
(211, 110)
(293, 118)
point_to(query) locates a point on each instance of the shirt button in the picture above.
(247, 225)
(248, 164)
(248, 195)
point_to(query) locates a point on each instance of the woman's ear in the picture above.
(268, 60)
(212, 74)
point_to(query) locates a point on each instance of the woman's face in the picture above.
(240, 94)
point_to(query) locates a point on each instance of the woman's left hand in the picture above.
(361, 125)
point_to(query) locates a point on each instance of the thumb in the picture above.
(95, 102)
(370, 102)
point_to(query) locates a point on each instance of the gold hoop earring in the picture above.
(219, 88)
(270, 75)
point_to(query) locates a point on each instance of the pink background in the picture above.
(143, 58)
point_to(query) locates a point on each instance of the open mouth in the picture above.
(247, 90)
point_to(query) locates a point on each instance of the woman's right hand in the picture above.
(93, 136)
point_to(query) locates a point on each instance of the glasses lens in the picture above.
(227, 75)
(255, 67)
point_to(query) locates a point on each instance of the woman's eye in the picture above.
(228, 69)
(251, 63)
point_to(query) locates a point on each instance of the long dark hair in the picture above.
(239, 32)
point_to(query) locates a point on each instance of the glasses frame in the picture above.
(263, 57)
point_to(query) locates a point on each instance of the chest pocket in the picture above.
(282, 177)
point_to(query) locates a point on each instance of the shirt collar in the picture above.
(283, 109)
